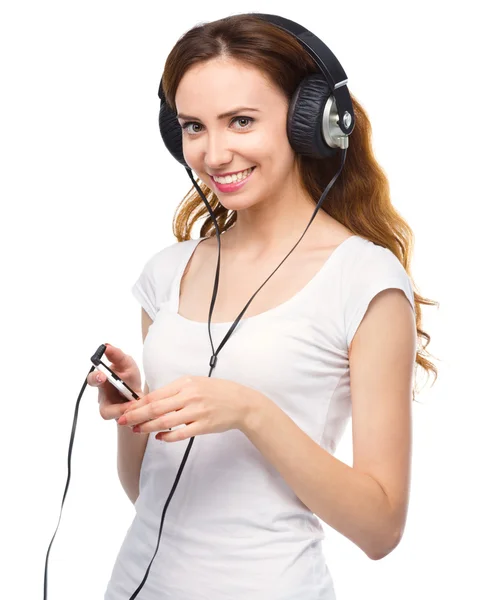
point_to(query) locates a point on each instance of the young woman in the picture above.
(332, 335)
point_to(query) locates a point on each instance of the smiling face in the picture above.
(249, 138)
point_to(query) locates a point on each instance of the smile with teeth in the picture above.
(233, 178)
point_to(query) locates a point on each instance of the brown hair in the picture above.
(360, 197)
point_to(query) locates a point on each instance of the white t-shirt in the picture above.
(234, 528)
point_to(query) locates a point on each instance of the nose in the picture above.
(217, 152)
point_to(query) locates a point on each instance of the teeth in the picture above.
(233, 178)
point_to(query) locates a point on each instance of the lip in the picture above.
(231, 187)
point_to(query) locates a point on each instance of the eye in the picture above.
(249, 119)
(240, 118)
(185, 125)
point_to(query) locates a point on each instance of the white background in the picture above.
(88, 195)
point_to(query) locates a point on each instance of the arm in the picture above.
(368, 502)
(131, 446)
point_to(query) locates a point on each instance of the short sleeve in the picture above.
(153, 284)
(144, 289)
(379, 269)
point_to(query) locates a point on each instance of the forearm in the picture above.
(350, 501)
(130, 451)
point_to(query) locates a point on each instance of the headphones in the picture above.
(314, 127)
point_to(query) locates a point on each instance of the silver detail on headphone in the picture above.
(347, 120)
(340, 83)
(332, 134)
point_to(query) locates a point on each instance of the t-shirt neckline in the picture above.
(174, 301)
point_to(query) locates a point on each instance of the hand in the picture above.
(203, 404)
(112, 403)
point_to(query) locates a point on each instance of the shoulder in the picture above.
(154, 282)
(161, 267)
(364, 252)
(369, 264)
(170, 256)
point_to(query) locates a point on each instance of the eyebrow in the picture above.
(230, 113)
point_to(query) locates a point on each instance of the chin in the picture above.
(239, 202)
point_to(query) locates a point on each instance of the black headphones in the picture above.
(313, 124)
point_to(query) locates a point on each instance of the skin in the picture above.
(273, 209)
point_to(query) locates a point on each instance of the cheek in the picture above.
(274, 153)
(190, 153)
(274, 141)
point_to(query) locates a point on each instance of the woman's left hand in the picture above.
(203, 404)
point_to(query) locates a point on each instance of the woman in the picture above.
(331, 335)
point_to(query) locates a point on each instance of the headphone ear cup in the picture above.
(305, 118)
(171, 132)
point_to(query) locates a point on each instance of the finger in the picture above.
(168, 420)
(178, 435)
(112, 411)
(169, 390)
(135, 404)
(119, 359)
(139, 415)
(145, 410)
(92, 378)
(130, 405)
(152, 425)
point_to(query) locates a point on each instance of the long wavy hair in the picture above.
(360, 197)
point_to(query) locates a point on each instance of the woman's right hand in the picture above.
(112, 403)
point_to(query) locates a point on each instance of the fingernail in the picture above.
(99, 378)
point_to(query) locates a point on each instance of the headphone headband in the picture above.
(318, 50)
